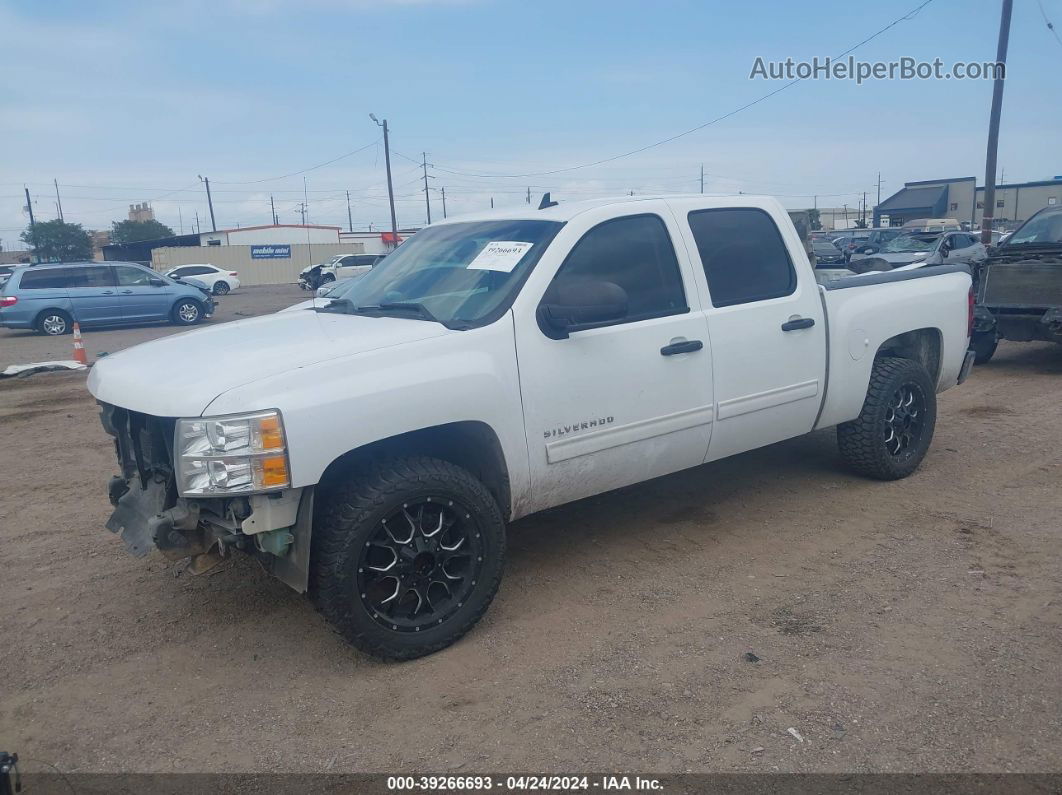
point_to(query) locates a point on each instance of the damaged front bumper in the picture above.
(149, 512)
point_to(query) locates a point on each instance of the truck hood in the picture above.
(179, 375)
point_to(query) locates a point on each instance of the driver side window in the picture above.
(634, 253)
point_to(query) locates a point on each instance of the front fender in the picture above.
(339, 405)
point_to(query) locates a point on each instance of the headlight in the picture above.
(237, 454)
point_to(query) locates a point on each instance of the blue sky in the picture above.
(125, 102)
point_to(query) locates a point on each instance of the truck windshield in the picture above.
(1043, 229)
(461, 275)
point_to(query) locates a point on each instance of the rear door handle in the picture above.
(686, 346)
(798, 323)
(107, 292)
(127, 292)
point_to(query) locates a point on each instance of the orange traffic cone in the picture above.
(79, 348)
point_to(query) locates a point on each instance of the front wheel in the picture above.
(407, 556)
(983, 344)
(187, 312)
(891, 435)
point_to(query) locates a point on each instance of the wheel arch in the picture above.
(40, 315)
(470, 444)
(924, 345)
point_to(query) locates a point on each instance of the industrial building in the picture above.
(961, 199)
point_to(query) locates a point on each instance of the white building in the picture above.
(272, 234)
(376, 242)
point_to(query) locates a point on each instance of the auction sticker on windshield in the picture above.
(500, 255)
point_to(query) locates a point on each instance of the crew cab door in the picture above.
(766, 322)
(625, 400)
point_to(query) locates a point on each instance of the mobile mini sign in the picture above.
(271, 252)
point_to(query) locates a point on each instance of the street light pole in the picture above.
(210, 203)
(390, 188)
(993, 124)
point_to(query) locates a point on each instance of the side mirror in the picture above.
(575, 305)
(155, 281)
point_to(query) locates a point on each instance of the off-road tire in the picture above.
(984, 346)
(44, 317)
(180, 318)
(863, 441)
(346, 515)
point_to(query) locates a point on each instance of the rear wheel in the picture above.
(54, 323)
(221, 288)
(187, 312)
(407, 556)
(984, 346)
(891, 435)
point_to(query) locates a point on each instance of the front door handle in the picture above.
(127, 292)
(107, 292)
(686, 346)
(798, 323)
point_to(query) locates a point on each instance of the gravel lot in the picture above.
(905, 626)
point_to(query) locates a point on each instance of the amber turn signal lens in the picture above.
(272, 472)
(270, 433)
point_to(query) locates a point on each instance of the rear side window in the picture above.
(743, 255)
(47, 279)
(636, 253)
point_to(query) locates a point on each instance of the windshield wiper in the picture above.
(393, 306)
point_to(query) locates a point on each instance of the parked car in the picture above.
(342, 266)
(932, 225)
(953, 248)
(826, 253)
(50, 297)
(1019, 286)
(220, 281)
(501, 364)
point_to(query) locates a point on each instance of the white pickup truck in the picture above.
(501, 364)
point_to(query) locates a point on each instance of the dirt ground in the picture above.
(909, 626)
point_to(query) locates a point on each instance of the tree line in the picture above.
(59, 241)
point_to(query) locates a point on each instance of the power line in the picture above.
(908, 16)
(304, 170)
(1050, 25)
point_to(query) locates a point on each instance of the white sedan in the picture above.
(219, 281)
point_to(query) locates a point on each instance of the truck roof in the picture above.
(565, 211)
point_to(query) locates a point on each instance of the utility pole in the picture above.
(879, 189)
(58, 201)
(33, 224)
(491, 201)
(197, 227)
(390, 189)
(528, 194)
(305, 202)
(427, 197)
(444, 202)
(350, 219)
(180, 220)
(864, 209)
(210, 204)
(302, 212)
(702, 177)
(272, 209)
(993, 123)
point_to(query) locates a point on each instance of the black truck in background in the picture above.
(1019, 287)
